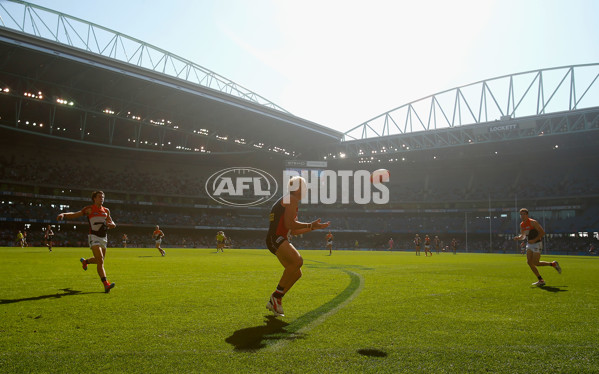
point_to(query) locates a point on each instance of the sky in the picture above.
(340, 63)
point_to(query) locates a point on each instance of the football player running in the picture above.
(531, 229)
(100, 221)
(157, 235)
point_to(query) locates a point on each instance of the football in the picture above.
(379, 176)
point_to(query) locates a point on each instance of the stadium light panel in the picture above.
(64, 102)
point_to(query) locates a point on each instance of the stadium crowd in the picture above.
(426, 184)
(144, 191)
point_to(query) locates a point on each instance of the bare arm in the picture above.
(539, 229)
(70, 215)
(314, 225)
(522, 236)
(296, 226)
(109, 222)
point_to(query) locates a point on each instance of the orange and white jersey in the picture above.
(158, 234)
(526, 226)
(329, 237)
(97, 219)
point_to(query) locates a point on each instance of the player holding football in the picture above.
(531, 229)
(157, 235)
(329, 239)
(283, 224)
(100, 221)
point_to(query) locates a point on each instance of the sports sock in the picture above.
(106, 283)
(279, 292)
(540, 278)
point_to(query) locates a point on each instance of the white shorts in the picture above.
(534, 247)
(158, 241)
(330, 243)
(96, 240)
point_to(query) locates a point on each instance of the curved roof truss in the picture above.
(531, 93)
(61, 28)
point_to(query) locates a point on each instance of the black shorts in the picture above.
(273, 242)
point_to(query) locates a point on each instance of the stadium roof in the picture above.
(136, 102)
(544, 102)
(531, 93)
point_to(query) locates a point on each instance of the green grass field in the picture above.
(376, 312)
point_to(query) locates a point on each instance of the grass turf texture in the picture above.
(198, 311)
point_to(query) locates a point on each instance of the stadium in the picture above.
(83, 108)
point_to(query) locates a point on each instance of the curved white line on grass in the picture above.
(322, 317)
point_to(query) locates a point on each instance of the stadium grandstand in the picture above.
(85, 108)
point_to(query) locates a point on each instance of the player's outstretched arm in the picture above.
(307, 227)
(69, 215)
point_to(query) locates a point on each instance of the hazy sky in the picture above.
(340, 63)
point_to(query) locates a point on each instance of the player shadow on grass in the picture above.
(67, 292)
(372, 352)
(252, 339)
(553, 289)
